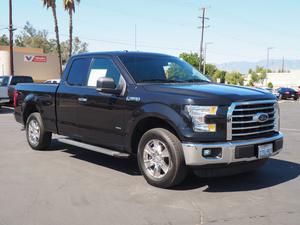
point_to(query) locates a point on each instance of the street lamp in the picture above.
(268, 62)
(268, 57)
(205, 51)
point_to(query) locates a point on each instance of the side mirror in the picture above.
(107, 85)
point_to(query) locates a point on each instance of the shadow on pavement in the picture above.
(6, 110)
(274, 172)
(128, 166)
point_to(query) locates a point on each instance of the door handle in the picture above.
(82, 100)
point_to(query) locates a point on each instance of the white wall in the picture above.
(291, 79)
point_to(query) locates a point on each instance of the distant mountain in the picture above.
(275, 64)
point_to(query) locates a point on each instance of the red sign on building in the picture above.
(35, 59)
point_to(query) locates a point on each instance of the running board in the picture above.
(94, 148)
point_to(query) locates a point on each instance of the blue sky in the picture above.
(239, 30)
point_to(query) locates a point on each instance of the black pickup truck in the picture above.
(156, 107)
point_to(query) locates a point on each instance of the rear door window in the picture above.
(79, 72)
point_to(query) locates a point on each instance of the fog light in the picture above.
(206, 152)
(212, 153)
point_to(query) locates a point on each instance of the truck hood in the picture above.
(212, 92)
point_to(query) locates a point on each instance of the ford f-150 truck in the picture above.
(155, 107)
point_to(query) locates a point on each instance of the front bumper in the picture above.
(232, 151)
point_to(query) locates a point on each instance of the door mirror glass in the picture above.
(107, 85)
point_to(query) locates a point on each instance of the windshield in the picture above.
(161, 69)
(4, 81)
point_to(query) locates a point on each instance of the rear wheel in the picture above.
(37, 137)
(161, 159)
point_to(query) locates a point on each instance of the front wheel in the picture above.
(161, 159)
(37, 137)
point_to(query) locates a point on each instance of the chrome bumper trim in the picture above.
(4, 100)
(193, 151)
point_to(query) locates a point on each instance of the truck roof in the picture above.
(121, 53)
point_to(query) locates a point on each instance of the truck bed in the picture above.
(46, 105)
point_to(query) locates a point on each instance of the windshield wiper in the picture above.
(162, 81)
(197, 81)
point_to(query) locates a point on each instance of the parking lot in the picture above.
(69, 186)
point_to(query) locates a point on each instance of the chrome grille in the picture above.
(243, 123)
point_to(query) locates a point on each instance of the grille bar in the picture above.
(249, 121)
(253, 109)
(251, 115)
(253, 127)
(256, 132)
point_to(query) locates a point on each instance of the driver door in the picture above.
(100, 115)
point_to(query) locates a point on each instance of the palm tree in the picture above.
(70, 7)
(52, 4)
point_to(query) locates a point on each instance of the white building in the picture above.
(287, 79)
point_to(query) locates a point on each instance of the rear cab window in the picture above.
(79, 71)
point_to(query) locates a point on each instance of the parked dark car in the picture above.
(287, 93)
(156, 107)
(7, 87)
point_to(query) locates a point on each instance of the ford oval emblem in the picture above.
(261, 117)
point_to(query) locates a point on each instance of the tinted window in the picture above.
(79, 71)
(164, 69)
(103, 68)
(4, 81)
(287, 89)
(16, 80)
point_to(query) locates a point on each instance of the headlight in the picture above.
(198, 113)
(277, 117)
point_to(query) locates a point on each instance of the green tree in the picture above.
(4, 40)
(33, 38)
(235, 78)
(210, 69)
(52, 4)
(270, 85)
(258, 75)
(69, 6)
(191, 58)
(78, 47)
(219, 75)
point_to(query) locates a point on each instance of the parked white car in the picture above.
(7, 87)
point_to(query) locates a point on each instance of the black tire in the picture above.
(45, 137)
(296, 98)
(177, 170)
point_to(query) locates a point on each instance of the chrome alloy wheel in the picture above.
(34, 132)
(156, 158)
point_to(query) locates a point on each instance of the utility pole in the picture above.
(204, 57)
(202, 27)
(282, 69)
(11, 30)
(135, 37)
